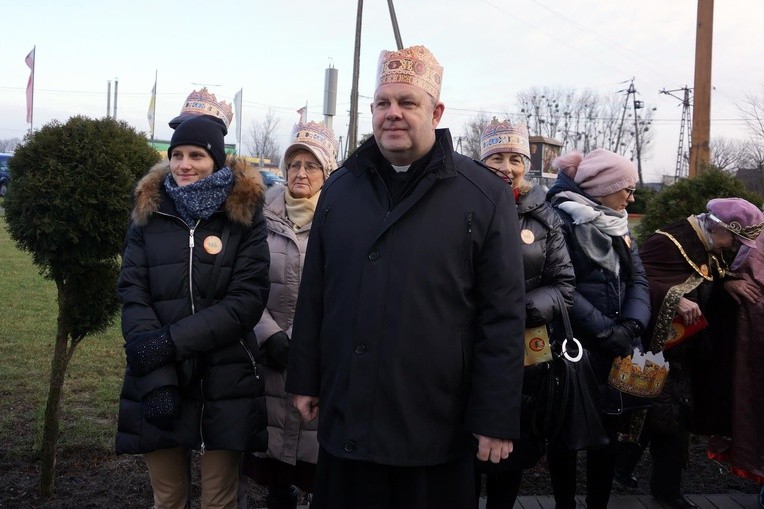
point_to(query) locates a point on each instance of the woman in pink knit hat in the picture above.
(611, 301)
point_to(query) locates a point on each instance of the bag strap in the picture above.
(217, 265)
(560, 301)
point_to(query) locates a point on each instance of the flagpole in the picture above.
(31, 109)
(154, 104)
(238, 121)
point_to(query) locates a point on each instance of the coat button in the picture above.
(360, 349)
(349, 446)
(374, 256)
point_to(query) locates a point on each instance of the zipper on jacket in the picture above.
(467, 239)
(191, 266)
(251, 359)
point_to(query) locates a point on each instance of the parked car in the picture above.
(5, 174)
(270, 178)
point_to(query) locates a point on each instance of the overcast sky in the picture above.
(277, 51)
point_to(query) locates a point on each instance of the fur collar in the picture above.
(246, 197)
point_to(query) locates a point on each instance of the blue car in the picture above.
(270, 178)
(5, 174)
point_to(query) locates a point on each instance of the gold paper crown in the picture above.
(202, 102)
(629, 377)
(415, 66)
(319, 139)
(504, 137)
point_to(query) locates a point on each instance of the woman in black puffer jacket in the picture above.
(611, 302)
(548, 270)
(194, 283)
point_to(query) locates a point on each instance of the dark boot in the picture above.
(282, 497)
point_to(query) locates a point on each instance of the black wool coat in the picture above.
(410, 317)
(166, 281)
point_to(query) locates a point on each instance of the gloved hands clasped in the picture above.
(276, 351)
(147, 351)
(618, 339)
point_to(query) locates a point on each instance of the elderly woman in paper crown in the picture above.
(611, 301)
(193, 284)
(504, 149)
(292, 442)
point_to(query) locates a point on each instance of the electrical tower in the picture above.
(685, 139)
(637, 105)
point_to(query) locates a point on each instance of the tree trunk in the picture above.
(60, 361)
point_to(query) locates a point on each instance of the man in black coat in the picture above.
(410, 315)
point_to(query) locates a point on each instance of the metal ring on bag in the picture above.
(565, 350)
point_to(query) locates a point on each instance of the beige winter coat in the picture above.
(289, 438)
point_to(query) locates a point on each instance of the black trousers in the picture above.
(600, 466)
(669, 458)
(349, 484)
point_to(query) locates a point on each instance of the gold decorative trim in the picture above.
(702, 273)
(668, 310)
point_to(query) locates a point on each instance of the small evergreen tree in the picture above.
(69, 207)
(689, 196)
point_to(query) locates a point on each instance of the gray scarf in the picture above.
(596, 225)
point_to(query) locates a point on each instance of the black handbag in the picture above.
(568, 398)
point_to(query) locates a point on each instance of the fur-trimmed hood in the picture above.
(247, 194)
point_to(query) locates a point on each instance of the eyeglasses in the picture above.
(310, 167)
(629, 191)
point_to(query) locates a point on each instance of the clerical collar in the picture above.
(401, 169)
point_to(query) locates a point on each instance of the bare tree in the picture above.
(752, 155)
(726, 153)
(262, 138)
(469, 143)
(9, 144)
(583, 120)
(752, 111)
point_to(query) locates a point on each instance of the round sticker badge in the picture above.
(527, 236)
(213, 245)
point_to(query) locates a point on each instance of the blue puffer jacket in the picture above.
(601, 298)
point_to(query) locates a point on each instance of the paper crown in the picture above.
(500, 137)
(203, 102)
(415, 66)
(318, 139)
(640, 374)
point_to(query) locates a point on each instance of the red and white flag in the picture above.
(30, 84)
(303, 114)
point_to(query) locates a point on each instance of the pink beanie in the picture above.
(600, 172)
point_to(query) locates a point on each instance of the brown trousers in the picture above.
(169, 470)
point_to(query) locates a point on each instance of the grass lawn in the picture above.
(28, 313)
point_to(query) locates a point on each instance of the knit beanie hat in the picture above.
(203, 131)
(600, 172)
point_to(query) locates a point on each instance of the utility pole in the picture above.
(638, 105)
(396, 31)
(353, 126)
(700, 152)
(684, 131)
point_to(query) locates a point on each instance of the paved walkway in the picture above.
(640, 502)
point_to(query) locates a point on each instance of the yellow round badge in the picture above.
(213, 245)
(527, 236)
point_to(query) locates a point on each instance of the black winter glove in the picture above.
(161, 407)
(150, 350)
(276, 351)
(617, 340)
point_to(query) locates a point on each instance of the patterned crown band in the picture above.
(498, 137)
(414, 66)
(320, 139)
(747, 232)
(203, 102)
